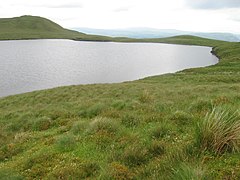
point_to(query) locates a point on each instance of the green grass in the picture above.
(188, 172)
(219, 132)
(160, 127)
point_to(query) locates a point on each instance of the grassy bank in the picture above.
(161, 127)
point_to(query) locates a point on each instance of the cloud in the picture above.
(69, 5)
(234, 18)
(213, 4)
(122, 9)
(49, 4)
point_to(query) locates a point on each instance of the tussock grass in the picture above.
(130, 121)
(3, 137)
(119, 105)
(219, 132)
(181, 118)
(146, 97)
(42, 124)
(162, 130)
(92, 111)
(65, 143)
(75, 170)
(119, 171)
(135, 155)
(10, 150)
(201, 106)
(6, 174)
(157, 148)
(102, 124)
(79, 127)
(188, 172)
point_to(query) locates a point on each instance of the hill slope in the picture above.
(33, 27)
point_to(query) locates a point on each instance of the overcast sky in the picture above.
(190, 15)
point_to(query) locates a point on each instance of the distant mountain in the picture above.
(157, 33)
(219, 36)
(131, 32)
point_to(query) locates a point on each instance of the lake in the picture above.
(28, 65)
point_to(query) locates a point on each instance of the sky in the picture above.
(188, 15)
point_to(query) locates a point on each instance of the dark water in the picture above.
(40, 64)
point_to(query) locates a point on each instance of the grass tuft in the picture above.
(75, 170)
(162, 130)
(92, 111)
(187, 172)
(219, 132)
(120, 171)
(181, 118)
(42, 124)
(146, 97)
(103, 124)
(201, 106)
(65, 143)
(130, 121)
(6, 174)
(79, 127)
(135, 155)
(157, 148)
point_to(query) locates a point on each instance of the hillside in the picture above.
(33, 27)
(175, 126)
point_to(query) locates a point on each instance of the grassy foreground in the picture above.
(176, 126)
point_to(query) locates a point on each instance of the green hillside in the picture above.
(33, 27)
(176, 126)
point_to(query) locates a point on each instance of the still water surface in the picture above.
(29, 65)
